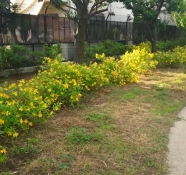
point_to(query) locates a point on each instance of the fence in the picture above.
(34, 30)
(30, 29)
(126, 31)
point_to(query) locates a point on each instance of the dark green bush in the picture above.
(170, 44)
(109, 48)
(16, 56)
(52, 51)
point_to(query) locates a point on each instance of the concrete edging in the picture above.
(7, 72)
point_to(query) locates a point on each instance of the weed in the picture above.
(96, 117)
(6, 173)
(27, 148)
(128, 94)
(80, 135)
(64, 165)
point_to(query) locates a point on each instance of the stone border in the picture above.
(7, 72)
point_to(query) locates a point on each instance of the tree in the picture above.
(149, 11)
(81, 11)
(6, 9)
(179, 16)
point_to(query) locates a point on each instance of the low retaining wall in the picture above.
(7, 72)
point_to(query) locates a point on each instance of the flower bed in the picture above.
(26, 103)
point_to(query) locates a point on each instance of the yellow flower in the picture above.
(7, 113)
(25, 121)
(12, 85)
(9, 133)
(52, 95)
(17, 115)
(74, 82)
(3, 151)
(56, 108)
(65, 85)
(1, 122)
(51, 112)
(44, 105)
(14, 93)
(40, 115)
(15, 134)
(21, 108)
(79, 95)
(31, 104)
(21, 120)
(22, 81)
(30, 123)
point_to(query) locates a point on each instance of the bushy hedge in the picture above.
(170, 44)
(109, 48)
(25, 103)
(16, 56)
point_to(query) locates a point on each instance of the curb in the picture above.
(7, 72)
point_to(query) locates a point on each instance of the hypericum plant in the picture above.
(25, 103)
(174, 59)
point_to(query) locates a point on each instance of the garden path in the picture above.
(177, 145)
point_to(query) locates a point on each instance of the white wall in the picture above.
(121, 13)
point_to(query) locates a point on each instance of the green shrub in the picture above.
(16, 56)
(109, 48)
(52, 51)
(170, 44)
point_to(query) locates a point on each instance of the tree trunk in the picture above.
(80, 39)
(153, 45)
(153, 34)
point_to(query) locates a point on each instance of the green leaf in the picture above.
(64, 165)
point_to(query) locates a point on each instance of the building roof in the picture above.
(32, 7)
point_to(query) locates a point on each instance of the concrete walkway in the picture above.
(176, 158)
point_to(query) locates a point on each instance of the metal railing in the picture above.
(30, 29)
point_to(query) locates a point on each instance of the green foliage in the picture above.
(17, 56)
(179, 15)
(109, 48)
(149, 11)
(52, 51)
(170, 44)
(96, 117)
(6, 9)
(14, 57)
(26, 148)
(80, 135)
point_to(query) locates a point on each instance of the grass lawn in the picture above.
(113, 131)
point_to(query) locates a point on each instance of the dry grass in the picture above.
(134, 133)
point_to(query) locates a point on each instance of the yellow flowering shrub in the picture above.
(25, 103)
(175, 58)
